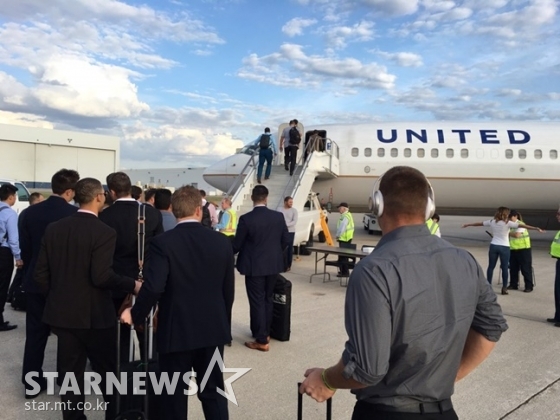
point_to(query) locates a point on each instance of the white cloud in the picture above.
(509, 92)
(393, 7)
(339, 36)
(403, 59)
(292, 67)
(437, 5)
(297, 25)
(23, 119)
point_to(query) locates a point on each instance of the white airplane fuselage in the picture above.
(471, 165)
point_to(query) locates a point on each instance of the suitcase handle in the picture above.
(300, 405)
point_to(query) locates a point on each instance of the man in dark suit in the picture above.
(195, 290)
(122, 216)
(32, 227)
(261, 238)
(74, 270)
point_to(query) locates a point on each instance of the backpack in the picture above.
(206, 219)
(264, 142)
(295, 137)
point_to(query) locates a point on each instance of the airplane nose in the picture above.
(216, 175)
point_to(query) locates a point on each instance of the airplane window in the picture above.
(394, 152)
(553, 154)
(248, 149)
(464, 153)
(449, 153)
(355, 152)
(420, 153)
(538, 154)
(380, 152)
(435, 153)
(407, 152)
(367, 152)
(522, 153)
(509, 154)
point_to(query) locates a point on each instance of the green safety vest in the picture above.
(555, 246)
(432, 226)
(523, 242)
(348, 234)
(232, 224)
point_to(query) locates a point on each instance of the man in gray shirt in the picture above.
(162, 202)
(419, 315)
(291, 216)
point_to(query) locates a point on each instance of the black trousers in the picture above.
(260, 291)
(214, 405)
(521, 259)
(290, 158)
(36, 336)
(343, 261)
(75, 346)
(366, 411)
(6, 271)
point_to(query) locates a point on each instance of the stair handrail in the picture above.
(301, 157)
(242, 178)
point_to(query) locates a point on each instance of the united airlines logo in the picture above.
(454, 136)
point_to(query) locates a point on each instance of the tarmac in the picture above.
(519, 381)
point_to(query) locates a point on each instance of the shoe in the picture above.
(528, 290)
(286, 168)
(343, 275)
(291, 173)
(258, 180)
(504, 291)
(43, 386)
(557, 324)
(6, 326)
(229, 344)
(266, 177)
(253, 345)
(513, 288)
(551, 320)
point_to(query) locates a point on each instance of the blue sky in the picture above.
(185, 83)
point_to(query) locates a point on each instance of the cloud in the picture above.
(509, 92)
(403, 59)
(297, 25)
(290, 66)
(392, 7)
(339, 36)
(23, 119)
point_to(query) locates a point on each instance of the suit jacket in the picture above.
(122, 216)
(32, 227)
(74, 269)
(192, 275)
(260, 239)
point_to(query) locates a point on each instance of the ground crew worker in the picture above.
(228, 222)
(344, 234)
(433, 225)
(555, 253)
(520, 256)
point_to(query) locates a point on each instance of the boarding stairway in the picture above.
(318, 165)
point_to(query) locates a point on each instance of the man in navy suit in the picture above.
(31, 231)
(195, 290)
(261, 238)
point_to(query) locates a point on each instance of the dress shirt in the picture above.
(272, 143)
(9, 226)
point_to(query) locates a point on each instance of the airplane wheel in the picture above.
(322, 237)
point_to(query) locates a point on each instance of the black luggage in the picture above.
(16, 294)
(131, 406)
(282, 302)
(300, 406)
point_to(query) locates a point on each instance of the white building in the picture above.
(33, 155)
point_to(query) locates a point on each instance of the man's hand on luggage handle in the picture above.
(126, 317)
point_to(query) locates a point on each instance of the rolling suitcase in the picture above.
(300, 406)
(16, 294)
(131, 406)
(282, 303)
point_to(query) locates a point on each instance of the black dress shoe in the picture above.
(513, 288)
(551, 320)
(6, 326)
(557, 324)
(528, 290)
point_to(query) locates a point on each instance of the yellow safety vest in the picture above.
(523, 242)
(232, 224)
(348, 234)
(555, 246)
(432, 226)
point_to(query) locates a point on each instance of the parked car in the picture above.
(22, 197)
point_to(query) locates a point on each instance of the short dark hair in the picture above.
(149, 193)
(259, 194)
(63, 180)
(162, 199)
(7, 190)
(33, 197)
(202, 193)
(436, 216)
(136, 192)
(87, 189)
(295, 121)
(288, 198)
(119, 182)
(405, 191)
(185, 201)
(267, 130)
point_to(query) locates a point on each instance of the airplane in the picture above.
(473, 167)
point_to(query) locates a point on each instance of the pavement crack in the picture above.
(529, 399)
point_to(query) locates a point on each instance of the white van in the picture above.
(22, 197)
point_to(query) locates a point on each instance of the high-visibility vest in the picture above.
(523, 242)
(232, 224)
(555, 246)
(432, 226)
(348, 234)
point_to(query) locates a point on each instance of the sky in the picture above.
(185, 83)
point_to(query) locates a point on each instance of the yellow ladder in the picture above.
(326, 231)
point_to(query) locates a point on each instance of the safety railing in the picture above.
(242, 179)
